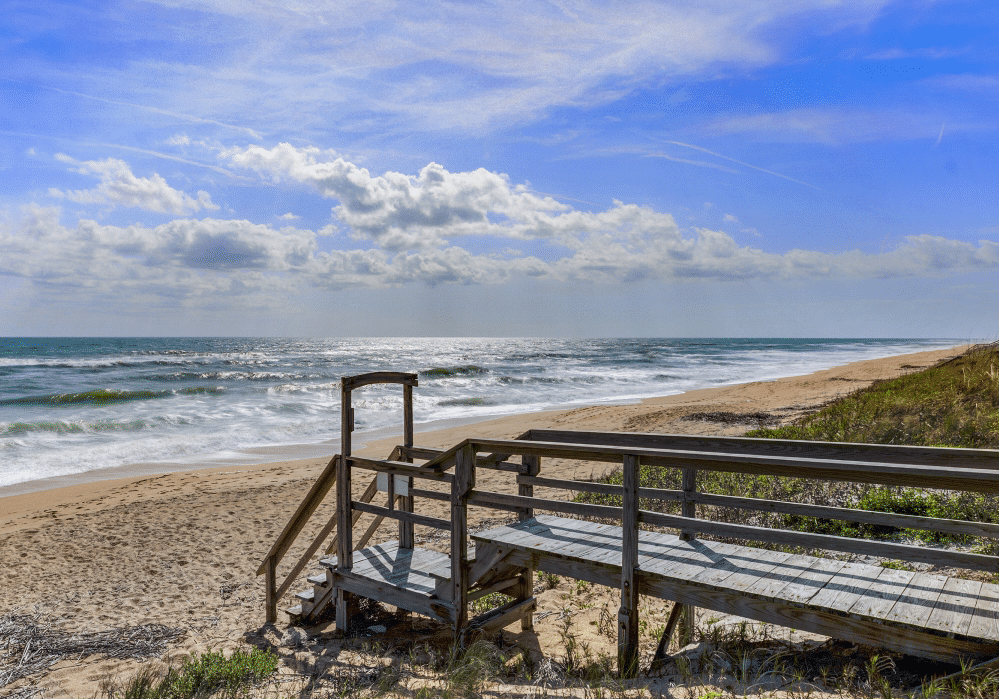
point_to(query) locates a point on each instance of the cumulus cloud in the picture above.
(404, 212)
(120, 187)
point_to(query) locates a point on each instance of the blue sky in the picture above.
(293, 167)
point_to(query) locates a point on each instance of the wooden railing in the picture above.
(919, 467)
(938, 468)
(327, 479)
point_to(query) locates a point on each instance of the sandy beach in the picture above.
(181, 549)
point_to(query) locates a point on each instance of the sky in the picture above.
(762, 168)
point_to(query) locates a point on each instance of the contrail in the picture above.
(92, 144)
(188, 117)
(754, 167)
(940, 136)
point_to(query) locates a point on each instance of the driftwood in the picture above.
(28, 645)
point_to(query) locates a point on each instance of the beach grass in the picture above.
(953, 404)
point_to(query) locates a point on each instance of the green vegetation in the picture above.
(953, 404)
(200, 677)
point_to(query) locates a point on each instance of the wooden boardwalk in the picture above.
(930, 615)
(933, 616)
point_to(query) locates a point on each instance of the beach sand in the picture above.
(181, 549)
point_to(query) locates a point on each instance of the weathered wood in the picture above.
(499, 586)
(985, 623)
(395, 595)
(487, 557)
(915, 605)
(367, 496)
(430, 494)
(902, 639)
(349, 383)
(956, 478)
(400, 468)
(497, 619)
(306, 508)
(887, 549)
(422, 520)
(525, 485)
(955, 608)
(270, 583)
(406, 534)
(461, 486)
(849, 451)
(627, 616)
(344, 530)
(885, 519)
(306, 557)
(688, 485)
(485, 497)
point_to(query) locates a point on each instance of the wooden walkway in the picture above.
(930, 615)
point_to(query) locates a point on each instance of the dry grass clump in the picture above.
(29, 645)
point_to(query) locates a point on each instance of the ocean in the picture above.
(76, 405)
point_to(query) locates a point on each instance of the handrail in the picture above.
(850, 451)
(953, 478)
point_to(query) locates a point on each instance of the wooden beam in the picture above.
(461, 486)
(305, 510)
(971, 479)
(851, 451)
(487, 498)
(349, 383)
(400, 468)
(627, 616)
(422, 520)
(885, 519)
(919, 554)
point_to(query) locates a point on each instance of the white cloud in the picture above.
(120, 187)
(289, 217)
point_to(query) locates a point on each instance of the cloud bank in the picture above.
(432, 227)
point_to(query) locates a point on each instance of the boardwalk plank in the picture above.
(985, 623)
(882, 594)
(850, 584)
(916, 604)
(956, 606)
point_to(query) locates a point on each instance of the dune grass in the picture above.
(953, 404)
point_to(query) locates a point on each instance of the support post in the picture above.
(530, 466)
(406, 533)
(270, 580)
(627, 617)
(464, 481)
(688, 509)
(345, 606)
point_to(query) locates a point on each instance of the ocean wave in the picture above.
(19, 428)
(447, 372)
(466, 402)
(104, 396)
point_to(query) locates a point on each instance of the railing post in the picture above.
(344, 522)
(627, 617)
(270, 581)
(463, 482)
(687, 509)
(530, 466)
(406, 534)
